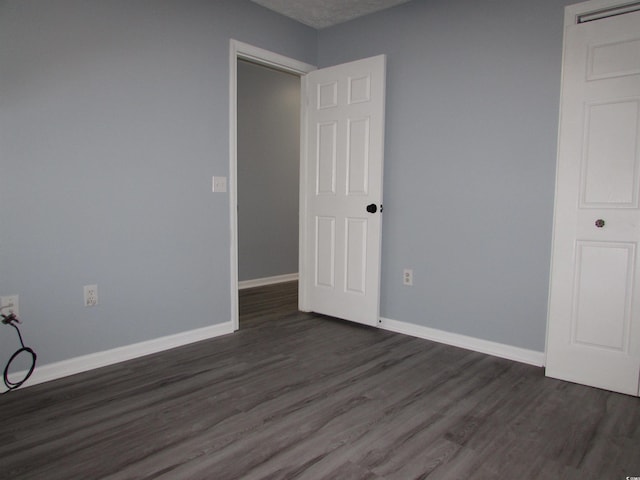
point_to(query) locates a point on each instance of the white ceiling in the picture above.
(325, 13)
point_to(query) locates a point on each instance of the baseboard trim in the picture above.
(260, 282)
(54, 371)
(65, 368)
(501, 350)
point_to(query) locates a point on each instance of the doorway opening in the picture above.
(268, 168)
(273, 254)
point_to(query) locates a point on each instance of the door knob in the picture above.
(372, 208)
(600, 223)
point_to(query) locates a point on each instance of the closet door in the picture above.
(594, 307)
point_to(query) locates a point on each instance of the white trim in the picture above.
(495, 349)
(53, 371)
(572, 12)
(105, 358)
(303, 205)
(264, 57)
(260, 282)
(232, 185)
(270, 59)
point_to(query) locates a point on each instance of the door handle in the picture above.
(372, 208)
(600, 223)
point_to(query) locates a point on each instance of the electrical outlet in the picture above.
(90, 295)
(11, 302)
(407, 277)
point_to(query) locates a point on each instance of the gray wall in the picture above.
(113, 119)
(268, 171)
(472, 115)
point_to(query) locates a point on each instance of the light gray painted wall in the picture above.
(113, 119)
(268, 171)
(472, 115)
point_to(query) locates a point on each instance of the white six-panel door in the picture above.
(342, 175)
(594, 307)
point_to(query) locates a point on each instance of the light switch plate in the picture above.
(219, 184)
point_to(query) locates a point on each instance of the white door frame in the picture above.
(264, 57)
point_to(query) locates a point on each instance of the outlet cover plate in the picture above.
(90, 295)
(12, 302)
(407, 277)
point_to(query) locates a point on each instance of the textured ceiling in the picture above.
(325, 13)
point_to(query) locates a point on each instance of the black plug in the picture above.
(9, 319)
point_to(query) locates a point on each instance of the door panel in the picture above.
(325, 251)
(594, 306)
(617, 59)
(358, 156)
(326, 159)
(610, 175)
(344, 159)
(356, 256)
(603, 289)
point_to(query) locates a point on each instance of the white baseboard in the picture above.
(259, 282)
(53, 371)
(91, 361)
(501, 350)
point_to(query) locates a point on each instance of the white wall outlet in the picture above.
(407, 277)
(11, 304)
(90, 295)
(219, 184)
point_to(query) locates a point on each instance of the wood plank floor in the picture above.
(294, 395)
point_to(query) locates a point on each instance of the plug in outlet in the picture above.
(407, 277)
(9, 304)
(90, 295)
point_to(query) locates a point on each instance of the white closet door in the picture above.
(594, 307)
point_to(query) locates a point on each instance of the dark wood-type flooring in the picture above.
(294, 395)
